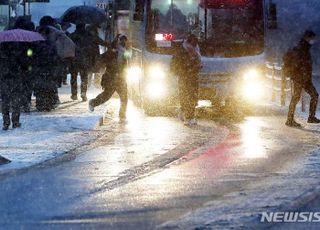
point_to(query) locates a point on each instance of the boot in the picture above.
(16, 125)
(293, 123)
(91, 105)
(15, 120)
(313, 119)
(74, 97)
(6, 121)
(84, 97)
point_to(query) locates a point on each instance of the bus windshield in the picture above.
(223, 31)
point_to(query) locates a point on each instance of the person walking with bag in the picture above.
(301, 76)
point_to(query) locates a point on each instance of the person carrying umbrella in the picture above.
(11, 84)
(28, 79)
(81, 62)
(13, 57)
(81, 15)
(84, 14)
(94, 50)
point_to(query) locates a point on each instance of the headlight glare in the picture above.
(156, 72)
(252, 91)
(156, 90)
(134, 74)
(251, 75)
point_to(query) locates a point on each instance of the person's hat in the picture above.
(47, 21)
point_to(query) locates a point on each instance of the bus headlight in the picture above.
(250, 75)
(252, 88)
(156, 89)
(134, 74)
(156, 72)
(252, 91)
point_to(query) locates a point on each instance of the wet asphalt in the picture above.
(149, 170)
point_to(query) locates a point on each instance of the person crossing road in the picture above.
(114, 79)
(302, 79)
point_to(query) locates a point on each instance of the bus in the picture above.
(231, 37)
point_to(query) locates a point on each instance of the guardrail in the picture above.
(279, 84)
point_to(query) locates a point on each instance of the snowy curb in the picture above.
(53, 157)
(66, 156)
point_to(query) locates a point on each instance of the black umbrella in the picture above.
(84, 15)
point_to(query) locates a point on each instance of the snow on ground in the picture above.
(243, 209)
(283, 190)
(46, 135)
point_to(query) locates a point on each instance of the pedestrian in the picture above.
(186, 64)
(11, 83)
(81, 62)
(67, 60)
(52, 28)
(26, 65)
(114, 78)
(45, 58)
(302, 79)
(94, 51)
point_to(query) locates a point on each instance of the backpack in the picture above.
(290, 62)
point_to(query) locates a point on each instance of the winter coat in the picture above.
(303, 64)
(183, 64)
(112, 67)
(14, 60)
(45, 59)
(13, 64)
(82, 42)
(124, 54)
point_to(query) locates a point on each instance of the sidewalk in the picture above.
(47, 135)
